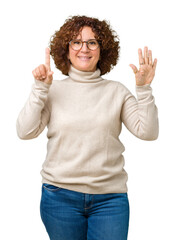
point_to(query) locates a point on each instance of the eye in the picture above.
(76, 42)
(92, 42)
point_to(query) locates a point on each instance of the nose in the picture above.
(84, 47)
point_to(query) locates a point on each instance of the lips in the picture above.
(85, 58)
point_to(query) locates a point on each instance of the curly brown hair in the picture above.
(108, 39)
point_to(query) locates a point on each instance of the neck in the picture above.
(85, 77)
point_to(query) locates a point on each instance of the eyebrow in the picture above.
(84, 40)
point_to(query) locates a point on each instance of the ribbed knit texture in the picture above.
(84, 115)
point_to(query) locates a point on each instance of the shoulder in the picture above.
(117, 85)
(120, 90)
(57, 83)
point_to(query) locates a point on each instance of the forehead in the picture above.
(86, 33)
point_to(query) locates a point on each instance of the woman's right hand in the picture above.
(43, 72)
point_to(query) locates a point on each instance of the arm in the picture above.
(35, 114)
(141, 116)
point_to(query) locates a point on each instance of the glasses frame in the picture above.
(86, 44)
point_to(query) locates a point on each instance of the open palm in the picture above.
(146, 71)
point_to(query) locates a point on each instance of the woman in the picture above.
(84, 191)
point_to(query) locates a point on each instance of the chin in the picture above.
(86, 68)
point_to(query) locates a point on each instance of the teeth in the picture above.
(84, 57)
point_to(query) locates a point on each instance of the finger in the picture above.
(134, 68)
(37, 71)
(146, 57)
(155, 64)
(150, 57)
(34, 74)
(141, 60)
(47, 58)
(50, 74)
(49, 77)
(42, 70)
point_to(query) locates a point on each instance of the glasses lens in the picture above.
(93, 44)
(76, 44)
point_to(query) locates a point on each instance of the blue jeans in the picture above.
(71, 215)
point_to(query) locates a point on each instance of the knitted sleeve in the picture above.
(35, 114)
(140, 115)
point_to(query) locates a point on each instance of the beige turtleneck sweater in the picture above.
(84, 115)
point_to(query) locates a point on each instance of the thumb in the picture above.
(50, 75)
(134, 68)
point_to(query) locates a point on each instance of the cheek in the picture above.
(70, 54)
(97, 56)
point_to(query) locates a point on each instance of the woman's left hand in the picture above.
(146, 72)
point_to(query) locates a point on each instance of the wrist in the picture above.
(42, 83)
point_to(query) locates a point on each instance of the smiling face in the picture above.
(84, 59)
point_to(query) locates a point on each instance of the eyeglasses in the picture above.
(77, 44)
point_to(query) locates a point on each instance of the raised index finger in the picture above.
(141, 59)
(47, 58)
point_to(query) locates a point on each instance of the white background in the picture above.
(26, 28)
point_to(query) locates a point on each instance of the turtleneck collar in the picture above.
(86, 77)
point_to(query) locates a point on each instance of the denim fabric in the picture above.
(71, 215)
